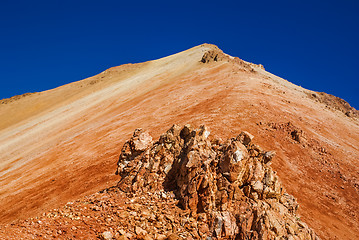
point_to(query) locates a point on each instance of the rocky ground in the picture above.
(183, 186)
(109, 214)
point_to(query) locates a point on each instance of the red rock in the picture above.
(227, 187)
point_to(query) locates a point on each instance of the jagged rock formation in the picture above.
(229, 187)
(215, 55)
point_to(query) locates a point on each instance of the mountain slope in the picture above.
(61, 144)
(185, 185)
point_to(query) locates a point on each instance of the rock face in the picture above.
(228, 187)
(215, 55)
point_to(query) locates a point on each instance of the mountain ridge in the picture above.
(328, 99)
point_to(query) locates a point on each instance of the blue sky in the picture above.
(45, 44)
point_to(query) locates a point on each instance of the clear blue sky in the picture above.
(45, 44)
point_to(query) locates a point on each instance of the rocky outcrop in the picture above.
(214, 55)
(335, 103)
(228, 187)
(217, 55)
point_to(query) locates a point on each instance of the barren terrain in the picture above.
(59, 145)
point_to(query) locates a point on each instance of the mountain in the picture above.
(63, 144)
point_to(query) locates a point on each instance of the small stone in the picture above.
(254, 196)
(122, 232)
(230, 225)
(302, 224)
(245, 137)
(129, 235)
(122, 237)
(269, 178)
(202, 217)
(186, 131)
(170, 218)
(140, 231)
(217, 225)
(107, 235)
(267, 157)
(145, 213)
(247, 190)
(141, 140)
(258, 186)
(233, 161)
(173, 236)
(203, 131)
(160, 237)
(289, 229)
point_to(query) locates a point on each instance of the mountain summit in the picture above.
(62, 144)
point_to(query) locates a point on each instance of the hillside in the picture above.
(185, 185)
(59, 145)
